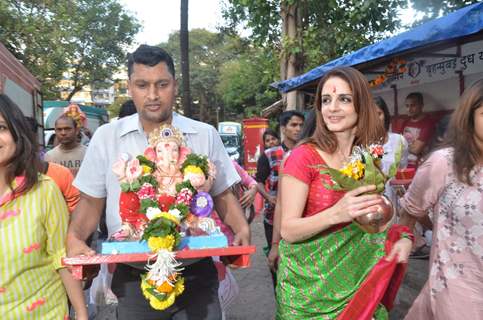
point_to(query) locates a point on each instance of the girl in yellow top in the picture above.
(33, 226)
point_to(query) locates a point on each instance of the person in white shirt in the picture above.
(153, 89)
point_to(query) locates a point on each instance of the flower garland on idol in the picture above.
(363, 168)
(163, 195)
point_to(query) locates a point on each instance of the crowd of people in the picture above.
(323, 265)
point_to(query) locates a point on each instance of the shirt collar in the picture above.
(284, 147)
(132, 123)
(183, 125)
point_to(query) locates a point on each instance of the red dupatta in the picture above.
(381, 284)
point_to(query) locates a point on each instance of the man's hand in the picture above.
(229, 210)
(272, 200)
(77, 247)
(242, 237)
(83, 223)
(273, 258)
(248, 197)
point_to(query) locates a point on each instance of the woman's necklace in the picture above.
(343, 159)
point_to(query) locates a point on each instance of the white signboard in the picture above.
(435, 74)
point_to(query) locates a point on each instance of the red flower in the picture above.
(377, 151)
(147, 191)
(165, 201)
(184, 196)
(129, 206)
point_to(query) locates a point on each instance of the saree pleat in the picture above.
(318, 277)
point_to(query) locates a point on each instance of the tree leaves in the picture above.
(432, 9)
(228, 75)
(329, 28)
(84, 38)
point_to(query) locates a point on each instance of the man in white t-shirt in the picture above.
(69, 152)
(153, 89)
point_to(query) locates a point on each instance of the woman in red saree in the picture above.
(329, 268)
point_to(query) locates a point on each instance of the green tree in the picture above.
(432, 9)
(114, 108)
(85, 38)
(245, 82)
(208, 53)
(307, 33)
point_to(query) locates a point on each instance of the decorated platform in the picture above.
(213, 241)
(237, 256)
(167, 215)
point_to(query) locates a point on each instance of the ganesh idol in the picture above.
(162, 161)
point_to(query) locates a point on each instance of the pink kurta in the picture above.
(454, 289)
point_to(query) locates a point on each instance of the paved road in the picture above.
(256, 299)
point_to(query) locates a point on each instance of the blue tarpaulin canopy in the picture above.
(461, 23)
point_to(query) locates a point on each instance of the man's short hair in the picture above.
(66, 117)
(150, 56)
(285, 117)
(127, 108)
(416, 96)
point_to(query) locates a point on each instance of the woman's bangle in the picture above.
(406, 235)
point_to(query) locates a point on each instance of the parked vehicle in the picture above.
(53, 109)
(230, 133)
(21, 87)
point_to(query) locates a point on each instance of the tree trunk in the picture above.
(184, 49)
(73, 92)
(291, 64)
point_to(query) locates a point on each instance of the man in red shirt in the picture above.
(418, 129)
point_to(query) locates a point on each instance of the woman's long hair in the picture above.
(461, 132)
(25, 160)
(369, 127)
(381, 104)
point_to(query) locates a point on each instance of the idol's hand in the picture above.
(355, 203)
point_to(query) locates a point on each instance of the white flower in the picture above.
(164, 266)
(175, 213)
(152, 213)
(201, 202)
